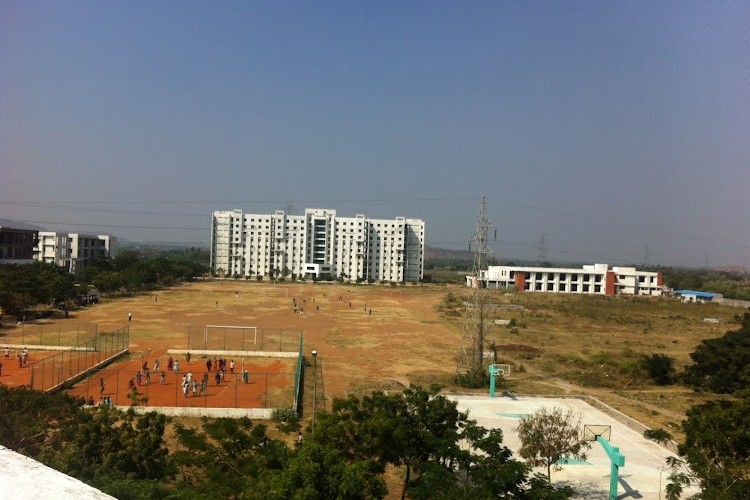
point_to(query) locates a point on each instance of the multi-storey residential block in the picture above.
(317, 244)
(596, 279)
(72, 250)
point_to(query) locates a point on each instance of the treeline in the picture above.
(732, 285)
(25, 286)
(716, 450)
(130, 271)
(442, 453)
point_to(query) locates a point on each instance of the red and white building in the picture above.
(596, 279)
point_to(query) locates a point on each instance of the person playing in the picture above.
(138, 377)
(187, 357)
(245, 376)
(208, 364)
(163, 377)
(218, 377)
(130, 316)
(156, 365)
(7, 353)
(231, 366)
(170, 364)
(101, 386)
(176, 365)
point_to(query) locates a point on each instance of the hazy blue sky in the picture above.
(618, 130)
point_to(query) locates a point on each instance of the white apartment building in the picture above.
(315, 244)
(72, 250)
(596, 279)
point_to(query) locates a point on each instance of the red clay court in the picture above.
(270, 383)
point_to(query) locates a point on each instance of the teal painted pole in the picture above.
(493, 374)
(618, 460)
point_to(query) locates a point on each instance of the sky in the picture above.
(614, 132)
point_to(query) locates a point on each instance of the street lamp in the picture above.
(315, 385)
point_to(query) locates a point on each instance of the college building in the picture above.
(318, 244)
(17, 245)
(72, 250)
(596, 279)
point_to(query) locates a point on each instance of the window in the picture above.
(550, 287)
(598, 289)
(574, 287)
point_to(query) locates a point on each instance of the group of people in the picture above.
(220, 365)
(103, 401)
(189, 384)
(23, 357)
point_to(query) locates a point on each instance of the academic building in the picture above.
(17, 245)
(597, 279)
(72, 250)
(318, 244)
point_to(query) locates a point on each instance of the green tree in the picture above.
(420, 430)
(29, 419)
(550, 435)
(24, 286)
(720, 365)
(108, 444)
(109, 281)
(716, 451)
(318, 470)
(660, 368)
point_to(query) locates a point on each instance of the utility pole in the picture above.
(475, 331)
(315, 386)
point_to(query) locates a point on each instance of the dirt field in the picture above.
(383, 337)
(366, 337)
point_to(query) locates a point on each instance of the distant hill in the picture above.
(20, 225)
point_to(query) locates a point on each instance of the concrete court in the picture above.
(644, 475)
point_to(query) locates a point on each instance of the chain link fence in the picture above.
(243, 338)
(51, 372)
(54, 333)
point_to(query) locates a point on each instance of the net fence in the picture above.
(49, 373)
(243, 338)
(256, 388)
(72, 334)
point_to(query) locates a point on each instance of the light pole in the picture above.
(315, 385)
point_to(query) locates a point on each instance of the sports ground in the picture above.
(366, 337)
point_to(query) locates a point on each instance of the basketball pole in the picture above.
(494, 372)
(618, 460)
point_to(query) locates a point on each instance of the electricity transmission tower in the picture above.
(476, 326)
(541, 252)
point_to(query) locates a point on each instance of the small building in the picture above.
(695, 296)
(596, 279)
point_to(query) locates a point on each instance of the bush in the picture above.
(286, 419)
(660, 368)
